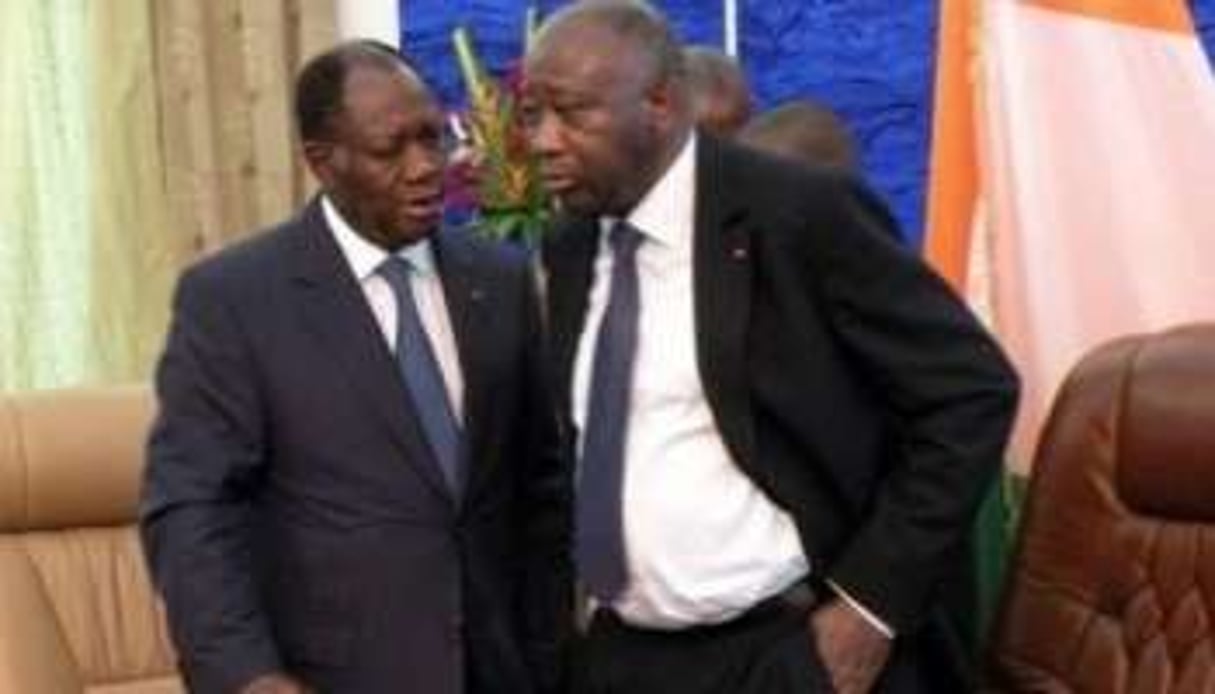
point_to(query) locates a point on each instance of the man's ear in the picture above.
(663, 102)
(320, 158)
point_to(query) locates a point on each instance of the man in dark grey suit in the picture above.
(352, 484)
(785, 421)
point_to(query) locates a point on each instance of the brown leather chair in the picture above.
(1113, 586)
(77, 612)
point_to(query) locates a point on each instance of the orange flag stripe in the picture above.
(953, 168)
(1164, 15)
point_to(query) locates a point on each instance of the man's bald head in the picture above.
(635, 27)
(803, 130)
(721, 99)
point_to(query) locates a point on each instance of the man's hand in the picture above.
(276, 683)
(852, 650)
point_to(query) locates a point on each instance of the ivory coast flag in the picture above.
(1072, 193)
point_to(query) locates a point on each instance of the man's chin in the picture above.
(577, 202)
(405, 234)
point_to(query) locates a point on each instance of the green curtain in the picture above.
(994, 542)
(137, 249)
(44, 193)
(86, 251)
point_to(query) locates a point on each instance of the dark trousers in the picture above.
(766, 651)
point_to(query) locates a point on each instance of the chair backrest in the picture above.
(77, 611)
(1113, 584)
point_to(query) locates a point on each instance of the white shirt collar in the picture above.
(666, 212)
(363, 256)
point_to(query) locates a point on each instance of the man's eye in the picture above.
(428, 136)
(572, 112)
(529, 114)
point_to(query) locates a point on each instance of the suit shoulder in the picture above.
(242, 263)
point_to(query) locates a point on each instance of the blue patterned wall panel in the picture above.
(498, 26)
(497, 29)
(1204, 17)
(872, 60)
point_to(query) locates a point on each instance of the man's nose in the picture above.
(423, 162)
(544, 134)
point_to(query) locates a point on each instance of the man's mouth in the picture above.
(427, 205)
(558, 183)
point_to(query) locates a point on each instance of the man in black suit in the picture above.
(352, 484)
(803, 130)
(785, 422)
(720, 95)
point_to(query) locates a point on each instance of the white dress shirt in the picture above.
(365, 258)
(704, 543)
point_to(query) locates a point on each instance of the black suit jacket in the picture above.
(293, 515)
(846, 378)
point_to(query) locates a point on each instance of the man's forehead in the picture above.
(374, 78)
(381, 103)
(377, 88)
(567, 61)
(579, 36)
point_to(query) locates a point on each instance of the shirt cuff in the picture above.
(873, 619)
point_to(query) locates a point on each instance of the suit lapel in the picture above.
(722, 274)
(570, 259)
(331, 305)
(464, 291)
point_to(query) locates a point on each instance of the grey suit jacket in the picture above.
(293, 516)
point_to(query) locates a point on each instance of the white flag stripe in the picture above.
(1098, 147)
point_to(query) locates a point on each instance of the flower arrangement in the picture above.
(497, 171)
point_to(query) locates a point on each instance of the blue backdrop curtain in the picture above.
(871, 60)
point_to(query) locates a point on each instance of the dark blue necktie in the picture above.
(423, 379)
(600, 531)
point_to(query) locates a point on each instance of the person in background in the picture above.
(805, 131)
(353, 482)
(808, 133)
(721, 98)
(784, 421)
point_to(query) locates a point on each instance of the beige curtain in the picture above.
(134, 252)
(225, 70)
(134, 133)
